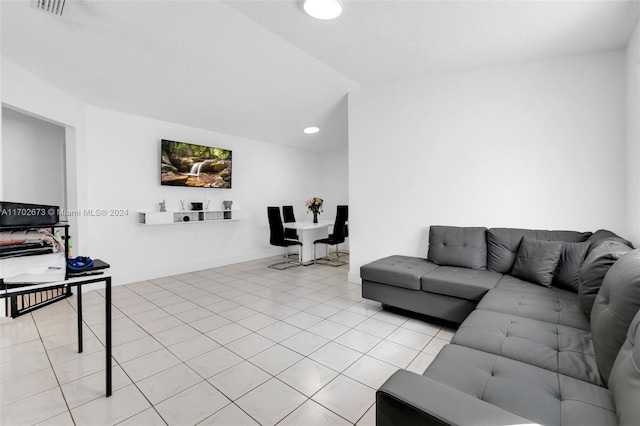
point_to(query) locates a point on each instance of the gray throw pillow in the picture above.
(571, 259)
(537, 261)
(601, 257)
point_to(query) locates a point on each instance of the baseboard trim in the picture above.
(147, 274)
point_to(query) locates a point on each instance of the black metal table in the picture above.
(10, 290)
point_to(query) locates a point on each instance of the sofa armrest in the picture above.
(409, 398)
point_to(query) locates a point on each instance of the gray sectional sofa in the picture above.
(547, 331)
(464, 263)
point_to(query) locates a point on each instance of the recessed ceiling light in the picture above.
(311, 130)
(323, 9)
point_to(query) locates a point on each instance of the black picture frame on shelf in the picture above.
(195, 166)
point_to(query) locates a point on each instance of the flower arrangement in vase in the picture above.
(314, 205)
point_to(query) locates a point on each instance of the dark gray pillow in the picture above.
(600, 258)
(571, 259)
(537, 261)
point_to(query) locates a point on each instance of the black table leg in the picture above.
(14, 306)
(107, 316)
(80, 349)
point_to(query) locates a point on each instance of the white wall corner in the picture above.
(633, 135)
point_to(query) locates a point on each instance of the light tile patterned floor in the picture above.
(236, 345)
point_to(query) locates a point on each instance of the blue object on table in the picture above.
(80, 263)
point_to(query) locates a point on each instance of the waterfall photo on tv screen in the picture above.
(185, 164)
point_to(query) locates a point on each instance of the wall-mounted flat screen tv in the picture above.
(185, 164)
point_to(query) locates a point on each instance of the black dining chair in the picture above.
(288, 217)
(338, 237)
(346, 226)
(278, 239)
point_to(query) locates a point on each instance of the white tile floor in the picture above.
(236, 345)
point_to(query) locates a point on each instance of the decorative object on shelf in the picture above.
(314, 205)
(196, 206)
(163, 206)
(227, 204)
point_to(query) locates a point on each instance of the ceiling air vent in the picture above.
(52, 6)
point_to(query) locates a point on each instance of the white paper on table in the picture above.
(41, 268)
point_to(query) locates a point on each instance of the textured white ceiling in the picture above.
(265, 70)
(389, 40)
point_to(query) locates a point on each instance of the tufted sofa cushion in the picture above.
(614, 308)
(558, 348)
(399, 271)
(624, 381)
(509, 282)
(465, 283)
(543, 396)
(455, 246)
(556, 307)
(601, 257)
(503, 244)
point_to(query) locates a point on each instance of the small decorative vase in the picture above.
(315, 217)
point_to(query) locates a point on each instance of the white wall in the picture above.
(33, 169)
(633, 134)
(334, 182)
(1, 156)
(539, 145)
(124, 173)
